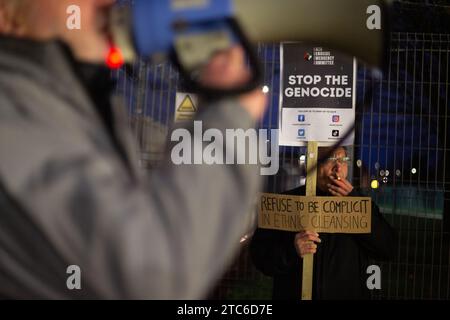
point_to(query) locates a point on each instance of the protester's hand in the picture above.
(304, 242)
(339, 187)
(227, 70)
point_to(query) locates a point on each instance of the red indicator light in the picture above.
(114, 60)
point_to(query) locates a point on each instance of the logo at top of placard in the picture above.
(323, 58)
(307, 56)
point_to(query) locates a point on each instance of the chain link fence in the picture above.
(402, 125)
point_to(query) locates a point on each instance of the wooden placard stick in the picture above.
(311, 180)
(328, 214)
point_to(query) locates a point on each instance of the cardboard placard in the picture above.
(321, 214)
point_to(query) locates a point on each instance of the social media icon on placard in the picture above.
(336, 118)
(307, 56)
(335, 133)
(301, 132)
(301, 118)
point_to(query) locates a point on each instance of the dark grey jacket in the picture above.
(67, 197)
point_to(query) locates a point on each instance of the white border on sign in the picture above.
(280, 106)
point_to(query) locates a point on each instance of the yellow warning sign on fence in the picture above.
(185, 106)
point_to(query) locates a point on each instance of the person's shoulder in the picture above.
(6, 97)
(299, 191)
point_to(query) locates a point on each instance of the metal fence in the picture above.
(401, 141)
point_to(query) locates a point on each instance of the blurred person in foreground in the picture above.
(340, 260)
(71, 192)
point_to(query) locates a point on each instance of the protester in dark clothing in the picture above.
(340, 260)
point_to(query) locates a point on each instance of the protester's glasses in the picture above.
(340, 160)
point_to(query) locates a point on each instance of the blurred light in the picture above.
(386, 173)
(382, 173)
(374, 184)
(385, 180)
(377, 74)
(244, 238)
(302, 158)
(359, 163)
(265, 89)
(114, 60)
(413, 171)
(377, 165)
(398, 173)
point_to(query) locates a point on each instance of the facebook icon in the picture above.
(301, 118)
(301, 132)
